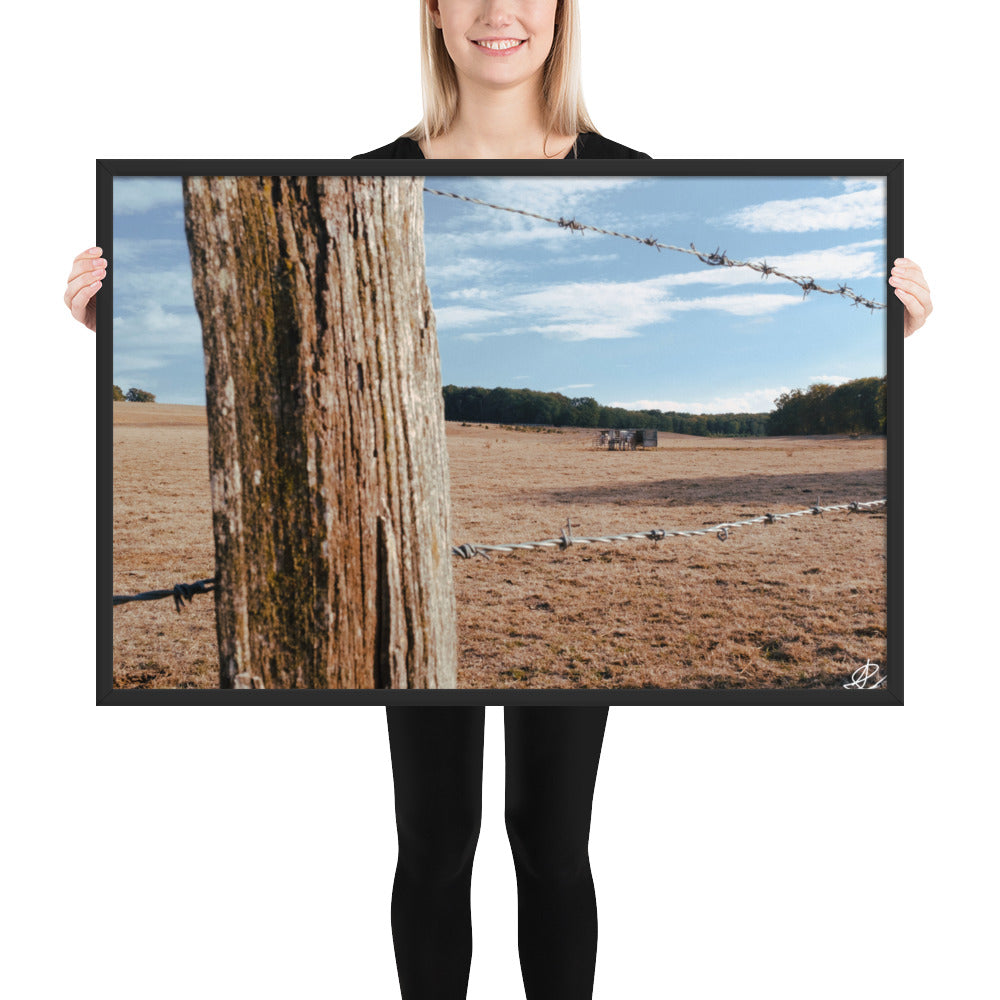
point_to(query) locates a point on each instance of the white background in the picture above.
(780, 853)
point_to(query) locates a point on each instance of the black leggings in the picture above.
(437, 765)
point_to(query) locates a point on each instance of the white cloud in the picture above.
(760, 304)
(470, 294)
(169, 287)
(560, 331)
(153, 327)
(449, 316)
(584, 330)
(751, 401)
(625, 304)
(857, 208)
(127, 366)
(475, 337)
(584, 258)
(568, 311)
(829, 379)
(129, 250)
(862, 183)
(864, 259)
(466, 269)
(521, 232)
(552, 196)
(134, 195)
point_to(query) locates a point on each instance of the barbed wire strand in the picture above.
(184, 591)
(180, 592)
(805, 282)
(721, 530)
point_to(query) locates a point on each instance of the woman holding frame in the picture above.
(501, 79)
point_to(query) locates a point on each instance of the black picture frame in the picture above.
(890, 692)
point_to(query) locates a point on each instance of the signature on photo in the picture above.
(866, 676)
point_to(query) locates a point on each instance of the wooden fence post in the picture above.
(329, 471)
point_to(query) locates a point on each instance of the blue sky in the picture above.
(524, 303)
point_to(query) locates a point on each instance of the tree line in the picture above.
(857, 406)
(528, 406)
(134, 395)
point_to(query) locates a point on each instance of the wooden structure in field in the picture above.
(627, 440)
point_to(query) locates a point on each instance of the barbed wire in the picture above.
(182, 592)
(805, 282)
(721, 530)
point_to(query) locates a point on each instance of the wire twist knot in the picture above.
(185, 592)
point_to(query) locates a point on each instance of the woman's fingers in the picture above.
(87, 267)
(81, 281)
(904, 268)
(81, 307)
(912, 303)
(85, 278)
(911, 288)
(84, 263)
(81, 276)
(915, 289)
(918, 307)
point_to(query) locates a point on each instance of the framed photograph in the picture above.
(505, 432)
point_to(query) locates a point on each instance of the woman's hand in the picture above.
(911, 289)
(84, 280)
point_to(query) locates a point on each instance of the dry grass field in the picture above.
(797, 604)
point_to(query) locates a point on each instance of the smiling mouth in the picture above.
(499, 44)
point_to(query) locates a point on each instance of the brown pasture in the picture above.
(797, 604)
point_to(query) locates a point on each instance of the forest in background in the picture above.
(855, 407)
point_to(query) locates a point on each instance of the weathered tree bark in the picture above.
(326, 432)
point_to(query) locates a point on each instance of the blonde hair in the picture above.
(564, 110)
